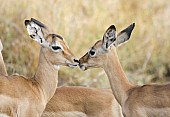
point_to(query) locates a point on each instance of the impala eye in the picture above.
(92, 53)
(56, 47)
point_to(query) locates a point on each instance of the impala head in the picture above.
(97, 54)
(53, 46)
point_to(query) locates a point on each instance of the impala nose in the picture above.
(76, 61)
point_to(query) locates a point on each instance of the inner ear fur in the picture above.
(109, 36)
(44, 28)
(37, 30)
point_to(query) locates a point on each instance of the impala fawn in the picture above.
(27, 97)
(151, 100)
(76, 101)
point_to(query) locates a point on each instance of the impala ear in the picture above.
(124, 35)
(109, 37)
(37, 30)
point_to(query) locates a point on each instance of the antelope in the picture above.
(77, 101)
(89, 101)
(27, 97)
(152, 100)
(45, 114)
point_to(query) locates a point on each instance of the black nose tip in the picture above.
(75, 60)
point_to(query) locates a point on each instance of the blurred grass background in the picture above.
(145, 58)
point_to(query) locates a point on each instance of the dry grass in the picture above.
(81, 22)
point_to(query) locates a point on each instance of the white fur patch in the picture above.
(3, 115)
(5, 100)
(83, 67)
(34, 29)
(57, 67)
(1, 46)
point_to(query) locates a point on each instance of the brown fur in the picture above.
(90, 101)
(64, 114)
(71, 101)
(137, 101)
(76, 101)
(27, 97)
(67, 101)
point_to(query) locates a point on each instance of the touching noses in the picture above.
(76, 61)
(80, 61)
(81, 65)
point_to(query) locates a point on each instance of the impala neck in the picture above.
(46, 76)
(117, 78)
(2, 65)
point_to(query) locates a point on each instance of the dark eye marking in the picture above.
(56, 47)
(92, 52)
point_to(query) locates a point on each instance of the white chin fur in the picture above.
(83, 68)
(57, 67)
(72, 66)
(3, 115)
